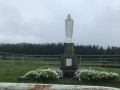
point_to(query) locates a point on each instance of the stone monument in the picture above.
(68, 60)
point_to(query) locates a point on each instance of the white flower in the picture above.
(45, 73)
(91, 74)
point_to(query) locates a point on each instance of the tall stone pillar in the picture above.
(69, 62)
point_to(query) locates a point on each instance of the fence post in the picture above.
(100, 60)
(41, 60)
(12, 58)
(80, 59)
(23, 59)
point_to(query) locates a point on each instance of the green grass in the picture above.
(10, 72)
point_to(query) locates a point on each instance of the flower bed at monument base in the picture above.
(95, 75)
(45, 74)
(81, 75)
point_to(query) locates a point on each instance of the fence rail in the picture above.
(10, 58)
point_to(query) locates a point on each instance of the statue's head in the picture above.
(68, 17)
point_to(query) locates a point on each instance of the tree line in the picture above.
(57, 49)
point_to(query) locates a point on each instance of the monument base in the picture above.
(68, 73)
(69, 48)
(68, 64)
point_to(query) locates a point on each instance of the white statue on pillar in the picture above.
(69, 29)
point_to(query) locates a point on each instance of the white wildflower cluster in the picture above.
(95, 75)
(45, 74)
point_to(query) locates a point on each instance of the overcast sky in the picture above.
(40, 21)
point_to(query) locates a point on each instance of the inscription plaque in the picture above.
(68, 62)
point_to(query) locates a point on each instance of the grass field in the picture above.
(9, 72)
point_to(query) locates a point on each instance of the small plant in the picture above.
(94, 75)
(45, 74)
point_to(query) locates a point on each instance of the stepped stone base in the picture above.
(69, 48)
(68, 62)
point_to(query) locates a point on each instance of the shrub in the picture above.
(94, 75)
(45, 74)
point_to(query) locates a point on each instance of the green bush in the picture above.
(94, 75)
(45, 74)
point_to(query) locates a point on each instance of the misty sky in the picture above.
(41, 21)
